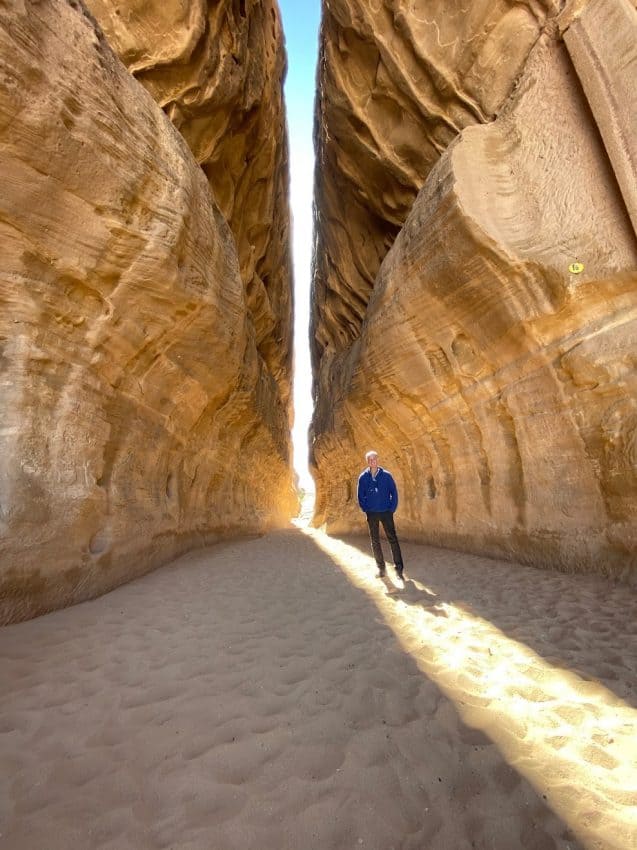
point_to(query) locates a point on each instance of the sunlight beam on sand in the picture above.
(574, 740)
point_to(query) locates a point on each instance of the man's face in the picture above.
(373, 461)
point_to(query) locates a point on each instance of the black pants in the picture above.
(387, 519)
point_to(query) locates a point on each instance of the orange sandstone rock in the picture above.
(217, 68)
(397, 83)
(137, 414)
(493, 360)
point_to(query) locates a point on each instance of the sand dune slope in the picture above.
(271, 693)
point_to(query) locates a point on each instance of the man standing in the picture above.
(378, 498)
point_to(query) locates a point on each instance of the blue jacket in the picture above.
(377, 495)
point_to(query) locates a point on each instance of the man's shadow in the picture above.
(413, 593)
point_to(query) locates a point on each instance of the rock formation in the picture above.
(217, 68)
(142, 395)
(475, 290)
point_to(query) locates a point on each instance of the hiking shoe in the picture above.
(380, 574)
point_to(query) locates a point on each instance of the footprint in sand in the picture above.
(531, 694)
(600, 758)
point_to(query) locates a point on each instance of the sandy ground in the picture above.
(271, 693)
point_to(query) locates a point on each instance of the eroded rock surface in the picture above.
(137, 413)
(398, 82)
(498, 385)
(216, 67)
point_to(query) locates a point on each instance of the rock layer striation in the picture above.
(216, 67)
(139, 407)
(490, 353)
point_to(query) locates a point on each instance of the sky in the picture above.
(301, 19)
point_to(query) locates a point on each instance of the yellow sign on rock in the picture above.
(576, 268)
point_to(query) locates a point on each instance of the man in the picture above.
(378, 499)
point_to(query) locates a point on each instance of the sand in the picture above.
(272, 693)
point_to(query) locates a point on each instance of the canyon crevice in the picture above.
(146, 330)
(475, 287)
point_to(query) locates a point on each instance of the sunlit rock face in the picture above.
(138, 418)
(216, 67)
(490, 355)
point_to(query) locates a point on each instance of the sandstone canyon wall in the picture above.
(145, 359)
(475, 284)
(216, 68)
